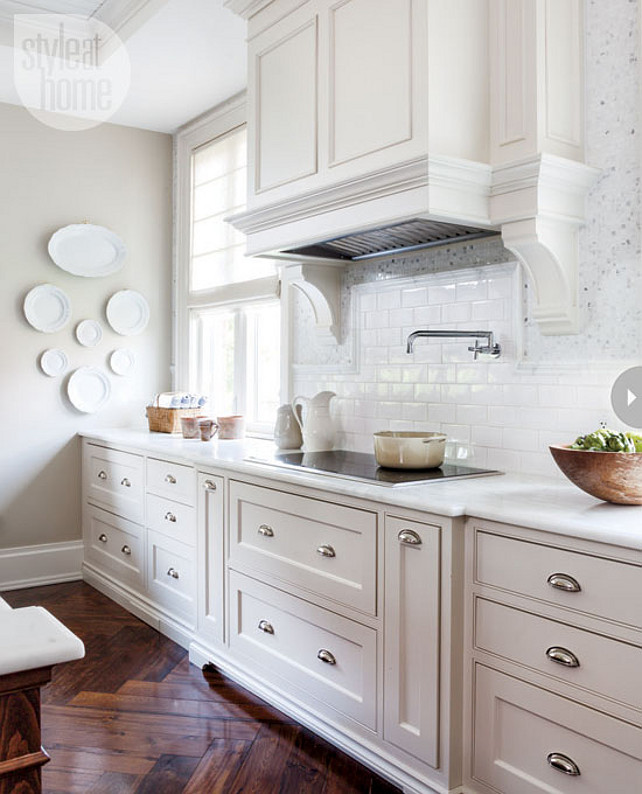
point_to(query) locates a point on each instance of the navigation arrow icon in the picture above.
(626, 397)
(630, 397)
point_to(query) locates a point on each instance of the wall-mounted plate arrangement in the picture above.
(89, 333)
(127, 312)
(47, 308)
(122, 361)
(54, 362)
(88, 389)
(83, 249)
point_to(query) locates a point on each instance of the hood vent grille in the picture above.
(398, 238)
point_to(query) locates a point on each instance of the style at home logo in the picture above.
(70, 72)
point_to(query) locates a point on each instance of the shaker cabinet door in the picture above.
(211, 567)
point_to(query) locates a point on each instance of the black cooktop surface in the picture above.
(362, 466)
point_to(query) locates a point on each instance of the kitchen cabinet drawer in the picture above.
(518, 727)
(115, 480)
(605, 588)
(171, 576)
(172, 480)
(115, 546)
(171, 518)
(325, 548)
(328, 657)
(606, 666)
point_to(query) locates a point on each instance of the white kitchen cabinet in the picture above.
(210, 567)
(171, 577)
(115, 481)
(116, 546)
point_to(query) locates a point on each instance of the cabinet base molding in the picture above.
(375, 756)
(47, 563)
(137, 605)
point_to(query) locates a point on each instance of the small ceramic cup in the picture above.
(189, 426)
(231, 427)
(207, 428)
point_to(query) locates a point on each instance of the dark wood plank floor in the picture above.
(135, 716)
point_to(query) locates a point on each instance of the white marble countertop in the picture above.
(33, 637)
(548, 504)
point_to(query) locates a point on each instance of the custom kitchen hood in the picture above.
(412, 123)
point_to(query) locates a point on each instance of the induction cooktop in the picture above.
(363, 467)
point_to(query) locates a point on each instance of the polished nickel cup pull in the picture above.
(102, 475)
(126, 482)
(102, 538)
(326, 551)
(562, 656)
(409, 537)
(126, 551)
(563, 764)
(266, 627)
(171, 480)
(266, 531)
(209, 485)
(173, 573)
(326, 656)
(562, 581)
(170, 517)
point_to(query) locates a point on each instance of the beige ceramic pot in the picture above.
(409, 449)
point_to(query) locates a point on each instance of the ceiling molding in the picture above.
(246, 8)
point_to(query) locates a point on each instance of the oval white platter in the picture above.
(47, 308)
(87, 250)
(88, 389)
(127, 312)
(89, 333)
(54, 362)
(122, 361)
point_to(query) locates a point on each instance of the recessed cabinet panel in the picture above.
(286, 76)
(209, 550)
(171, 576)
(371, 51)
(528, 741)
(173, 480)
(115, 546)
(115, 480)
(174, 519)
(411, 685)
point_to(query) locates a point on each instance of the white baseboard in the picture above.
(49, 563)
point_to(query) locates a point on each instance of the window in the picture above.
(227, 324)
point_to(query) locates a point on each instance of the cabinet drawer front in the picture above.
(171, 576)
(173, 519)
(517, 727)
(327, 549)
(608, 588)
(115, 480)
(116, 546)
(285, 638)
(172, 480)
(606, 666)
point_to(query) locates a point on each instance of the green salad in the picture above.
(605, 440)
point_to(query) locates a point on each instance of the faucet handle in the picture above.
(491, 349)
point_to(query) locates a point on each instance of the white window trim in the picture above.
(215, 123)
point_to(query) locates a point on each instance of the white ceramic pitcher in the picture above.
(317, 425)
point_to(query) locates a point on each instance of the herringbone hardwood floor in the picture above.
(135, 716)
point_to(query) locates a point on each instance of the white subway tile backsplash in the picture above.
(414, 296)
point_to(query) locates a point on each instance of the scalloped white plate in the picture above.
(47, 308)
(89, 333)
(87, 250)
(88, 389)
(54, 362)
(122, 361)
(127, 312)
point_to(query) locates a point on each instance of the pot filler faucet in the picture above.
(491, 347)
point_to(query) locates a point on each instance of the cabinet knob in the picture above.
(326, 551)
(169, 479)
(126, 550)
(173, 573)
(266, 531)
(409, 537)
(102, 538)
(126, 482)
(562, 656)
(562, 581)
(563, 764)
(209, 485)
(265, 626)
(102, 475)
(169, 516)
(326, 656)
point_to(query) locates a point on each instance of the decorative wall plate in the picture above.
(127, 312)
(47, 308)
(87, 250)
(54, 362)
(88, 389)
(122, 361)
(89, 333)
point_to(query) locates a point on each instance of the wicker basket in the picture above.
(168, 420)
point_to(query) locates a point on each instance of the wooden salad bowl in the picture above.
(611, 476)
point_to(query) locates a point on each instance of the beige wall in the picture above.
(112, 176)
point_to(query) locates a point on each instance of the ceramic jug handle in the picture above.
(299, 402)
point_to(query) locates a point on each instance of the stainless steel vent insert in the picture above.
(398, 238)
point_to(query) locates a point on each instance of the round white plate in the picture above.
(54, 362)
(47, 308)
(87, 250)
(88, 389)
(89, 333)
(127, 312)
(122, 361)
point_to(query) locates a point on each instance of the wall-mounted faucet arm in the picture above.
(491, 347)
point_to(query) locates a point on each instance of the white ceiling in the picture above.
(186, 57)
